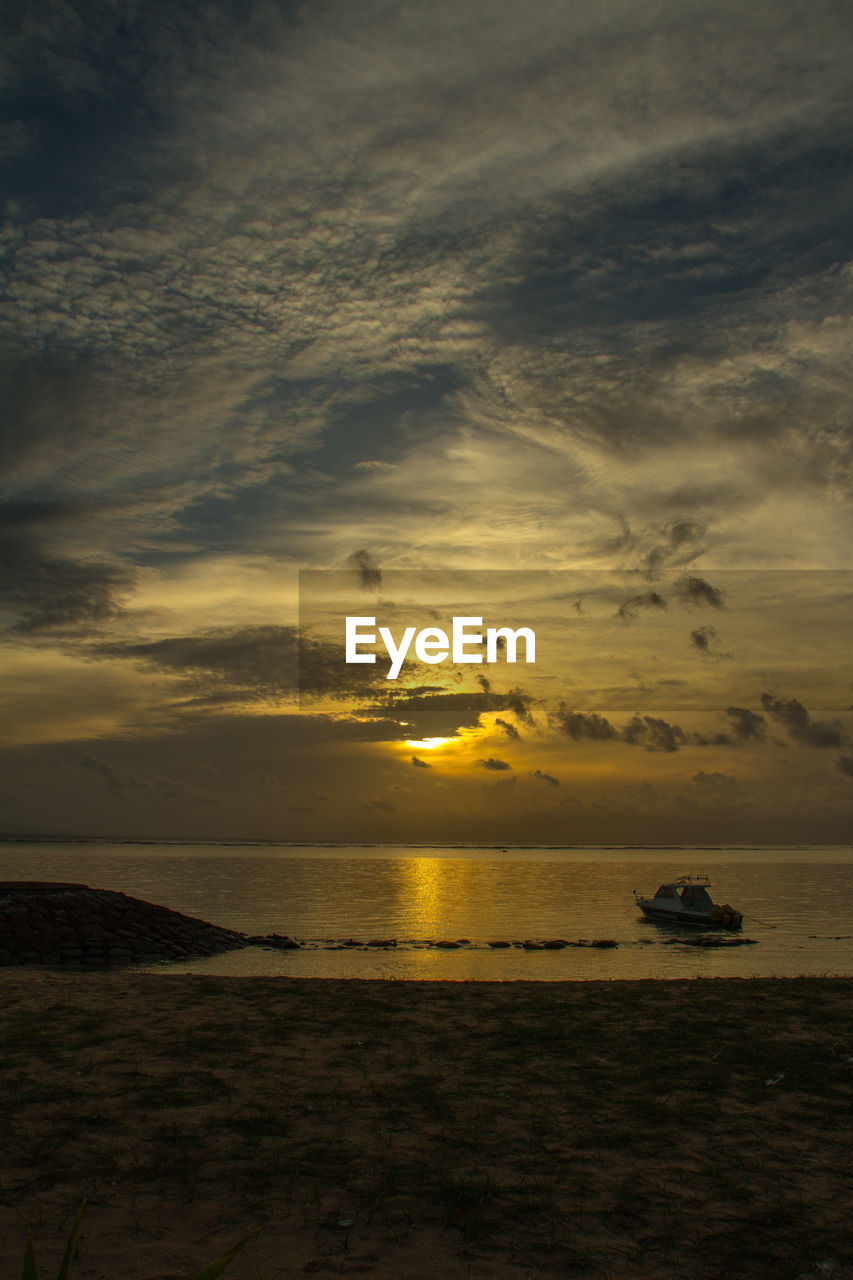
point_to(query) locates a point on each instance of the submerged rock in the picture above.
(281, 942)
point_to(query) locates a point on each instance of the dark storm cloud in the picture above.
(420, 764)
(694, 590)
(45, 593)
(794, 717)
(544, 777)
(509, 729)
(747, 726)
(497, 766)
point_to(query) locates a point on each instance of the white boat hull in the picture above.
(674, 917)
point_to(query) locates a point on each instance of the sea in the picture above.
(434, 912)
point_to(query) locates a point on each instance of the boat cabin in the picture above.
(692, 892)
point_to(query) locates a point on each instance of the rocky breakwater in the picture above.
(71, 926)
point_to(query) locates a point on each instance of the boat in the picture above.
(687, 901)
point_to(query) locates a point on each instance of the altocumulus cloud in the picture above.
(531, 277)
(280, 281)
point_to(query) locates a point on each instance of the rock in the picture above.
(72, 926)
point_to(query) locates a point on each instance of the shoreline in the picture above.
(412, 1129)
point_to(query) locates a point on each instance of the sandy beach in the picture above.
(410, 1131)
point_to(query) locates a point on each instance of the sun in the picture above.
(426, 744)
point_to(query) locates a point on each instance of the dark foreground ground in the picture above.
(427, 1131)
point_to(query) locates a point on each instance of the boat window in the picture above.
(666, 891)
(695, 893)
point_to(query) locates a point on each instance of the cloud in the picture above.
(438, 713)
(584, 726)
(262, 656)
(284, 284)
(714, 782)
(369, 572)
(262, 659)
(845, 766)
(509, 729)
(544, 777)
(420, 764)
(647, 600)
(694, 590)
(794, 717)
(519, 703)
(650, 732)
(747, 726)
(679, 542)
(701, 638)
(654, 734)
(47, 593)
(493, 764)
(384, 278)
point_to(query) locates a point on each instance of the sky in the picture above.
(538, 313)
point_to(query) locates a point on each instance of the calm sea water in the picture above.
(797, 905)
